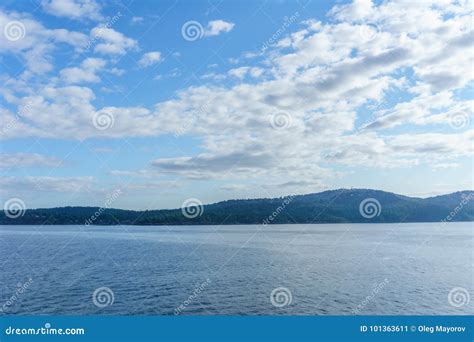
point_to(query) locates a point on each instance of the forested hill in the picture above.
(335, 206)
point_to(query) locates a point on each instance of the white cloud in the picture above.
(137, 20)
(111, 41)
(241, 72)
(85, 73)
(20, 160)
(46, 184)
(116, 71)
(216, 27)
(35, 43)
(150, 58)
(427, 108)
(357, 10)
(213, 165)
(73, 9)
(321, 78)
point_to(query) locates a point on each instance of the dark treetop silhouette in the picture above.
(334, 206)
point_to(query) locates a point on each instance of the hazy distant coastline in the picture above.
(333, 206)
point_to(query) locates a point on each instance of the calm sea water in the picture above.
(208, 270)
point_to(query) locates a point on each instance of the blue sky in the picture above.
(215, 100)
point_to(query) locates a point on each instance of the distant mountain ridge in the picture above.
(332, 206)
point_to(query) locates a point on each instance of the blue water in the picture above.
(341, 269)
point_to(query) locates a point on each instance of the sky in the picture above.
(166, 101)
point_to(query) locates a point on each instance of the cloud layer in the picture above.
(318, 99)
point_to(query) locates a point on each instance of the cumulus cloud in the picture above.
(427, 108)
(85, 73)
(216, 27)
(356, 11)
(33, 43)
(73, 9)
(150, 58)
(112, 42)
(241, 72)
